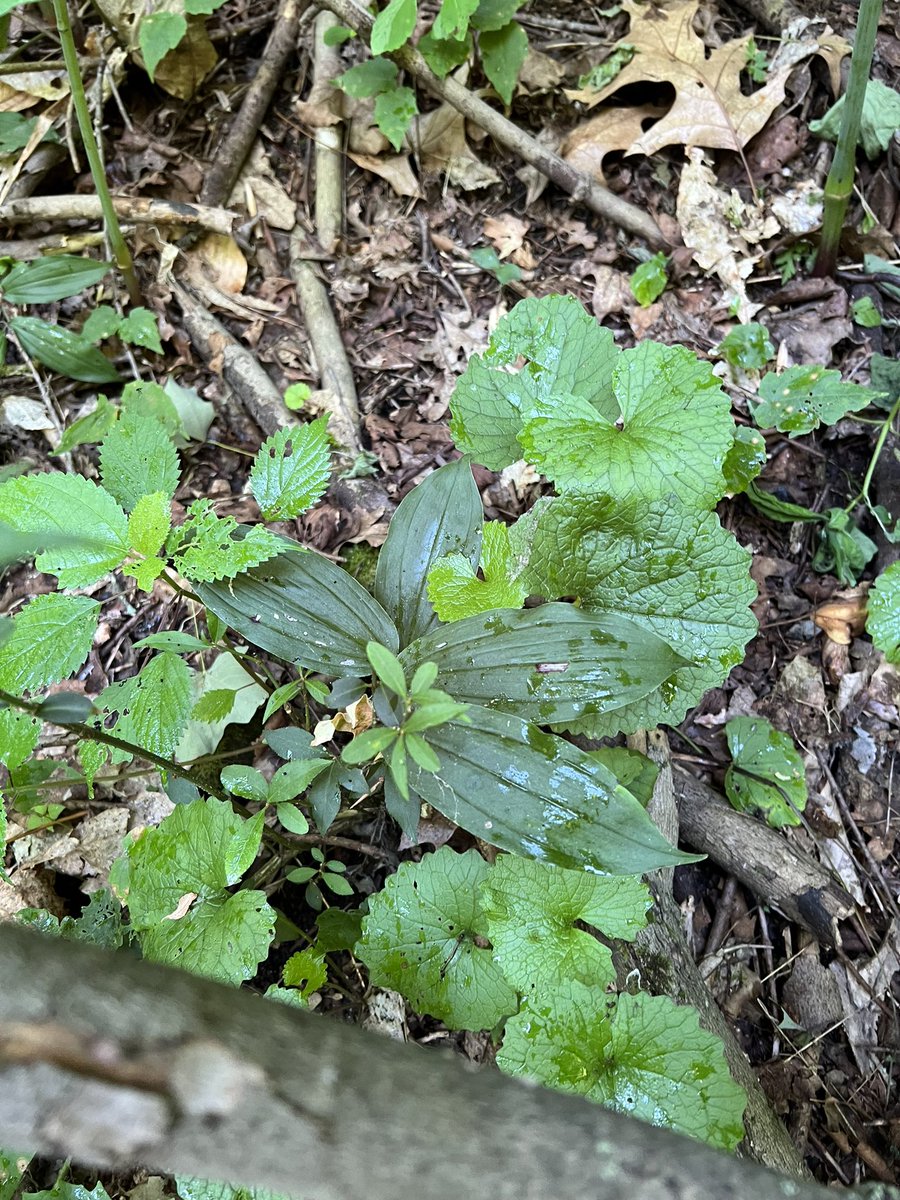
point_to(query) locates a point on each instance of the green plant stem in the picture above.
(839, 185)
(79, 100)
(109, 739)
(863, 493)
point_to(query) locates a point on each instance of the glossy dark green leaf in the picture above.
(551, 664)
(443, 515)
(53, 278)
(62, 351)
(305, 610)
(532, 793)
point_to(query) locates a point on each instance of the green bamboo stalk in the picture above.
(839, 185)
(117, 243)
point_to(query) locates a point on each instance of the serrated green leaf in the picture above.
(137, 458)
(64, 352)
(200, 848)
(393, 26)
(150, 522)
(54, 277)
(503, 52)
(387, 668)
(444, 55)
(495, 14)
(801, 399)
(394, 111)
(146, 572)
(452, 21)
(641, 1055)
(291, 471)
(99, 924)
(93, 529)
(744, 460)
(566, 352)
(102, 322)
(532, 909)
(204, 1189)
(536, 795)
(879, 121)
(212, 548)
(883, 624)
(214, 705)
(671, 570)
(455, 591)
(225, 938)
(369, 78)
(671, 437)
(305, 610)
(19, 734)
(766, 773)
(553, 664)
(87, 429)
(140, 328)
(306, 971)
(419, 938)
(633, 770)
(442, 516)
(64, 1190)
(153, 706)
(648, 281)
(51, 638)
(747, 346)
(159, 33)
(246, 782)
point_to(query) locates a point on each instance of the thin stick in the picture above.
(133, 209)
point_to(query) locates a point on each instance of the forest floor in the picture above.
(820, 1023)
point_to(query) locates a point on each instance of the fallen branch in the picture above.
(226, 356)
(580, 187)
(336, 382)
(665, 961)
(764, 860)
(232, 152)
(132, 209)
(115, 1061)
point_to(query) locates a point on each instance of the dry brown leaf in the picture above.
(507, 233)
(394, 168)
(709, 108)
(611, 129)
(719, 228)
(224, 262)
(444, 150)
(843, 618)
(540, 72)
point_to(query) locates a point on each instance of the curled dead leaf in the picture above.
(843, 618)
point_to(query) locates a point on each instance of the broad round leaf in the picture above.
(419, 938)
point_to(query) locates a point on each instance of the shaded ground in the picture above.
(820, 1024)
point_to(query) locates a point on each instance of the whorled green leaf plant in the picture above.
(614, 603)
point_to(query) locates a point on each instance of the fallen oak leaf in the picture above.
(710, 108)
(611, 129)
